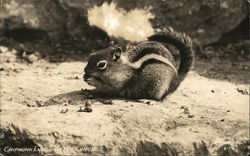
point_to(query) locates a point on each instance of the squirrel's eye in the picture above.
(102, 65)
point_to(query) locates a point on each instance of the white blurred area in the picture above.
(133, 26)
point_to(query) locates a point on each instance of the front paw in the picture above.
(89, 93)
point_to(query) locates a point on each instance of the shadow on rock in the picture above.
(150, 148)
(78, 98)
(71, 98)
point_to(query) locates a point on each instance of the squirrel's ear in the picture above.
(117, 53)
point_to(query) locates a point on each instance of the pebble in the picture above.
(64, 110)
(190, 115)
(85, 109)
(81, 109)
(148, 102)
(88, 103)
(186, 111)
(70, 101)
(109, 102)
(32, 58)
(88, 109)
(76, 77)
(145, 101)
(242, 90)
(55, 134)
(39, 103)
(222, 120)
(182, 107)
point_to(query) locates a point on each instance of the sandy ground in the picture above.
(208, 114)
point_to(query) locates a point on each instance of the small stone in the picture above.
(222, 120)
(64, 110)
(146, 101)
(76, 77)
(212, 91)
(186, 111)
(55, 134)
(88, 109)
(81, 109)
(32, 58)
(190, 115)
(208, 123)
(69, 101)
(88, 103)
(242, 90)
(228, 110)
(1, 69)
(56, 100)
(85, 109)
(39, 103)
(109, 102)
(182, 107)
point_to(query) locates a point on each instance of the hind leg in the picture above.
(158, 78)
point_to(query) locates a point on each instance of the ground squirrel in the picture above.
(146, 71)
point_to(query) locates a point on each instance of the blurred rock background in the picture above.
(55, 28)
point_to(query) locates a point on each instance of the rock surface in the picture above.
(205, 21)
(40, 105)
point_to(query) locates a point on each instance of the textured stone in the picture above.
(57, 20)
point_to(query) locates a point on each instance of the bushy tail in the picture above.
(183, 43)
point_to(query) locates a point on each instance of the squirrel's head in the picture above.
(107, 70)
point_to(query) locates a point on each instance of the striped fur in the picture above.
(184, 44)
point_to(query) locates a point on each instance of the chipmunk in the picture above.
(146, 71)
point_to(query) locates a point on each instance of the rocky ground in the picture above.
(42, 111)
